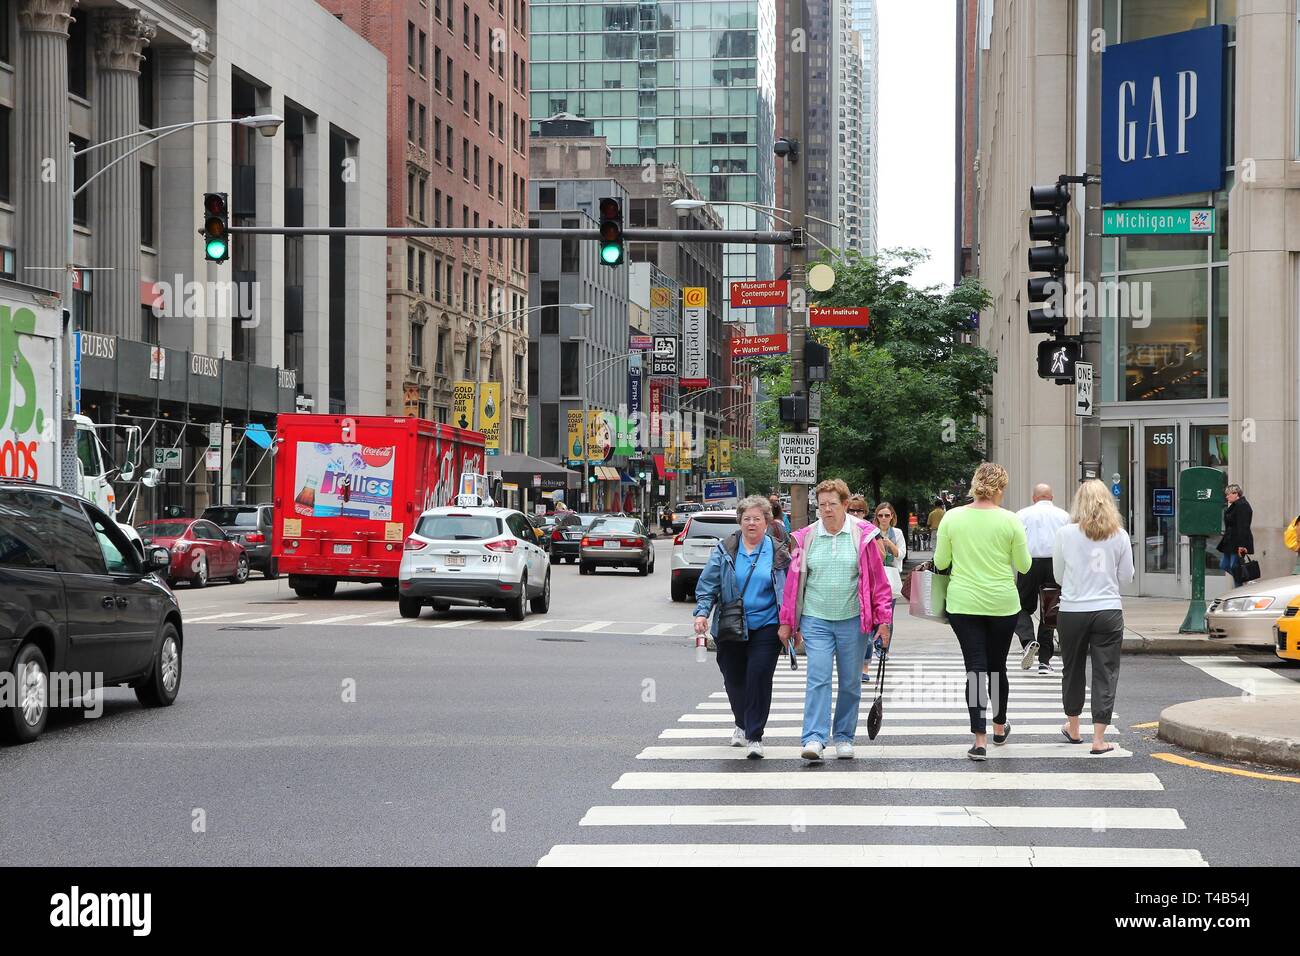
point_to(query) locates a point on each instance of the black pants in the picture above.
(1091, 634)
(1029, 584)
(984, 644)
(747, 668)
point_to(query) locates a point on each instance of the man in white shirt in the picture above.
(1042, 520)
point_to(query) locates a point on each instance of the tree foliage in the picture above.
(900, 414)
(758, 472)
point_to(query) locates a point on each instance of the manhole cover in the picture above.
(250, 627)
(563, 640)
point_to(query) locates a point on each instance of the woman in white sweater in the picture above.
(1092, 557)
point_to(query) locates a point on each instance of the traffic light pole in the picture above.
(1090, 426)
(796, 76)
(740, 236)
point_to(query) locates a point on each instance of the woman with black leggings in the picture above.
(984, 546)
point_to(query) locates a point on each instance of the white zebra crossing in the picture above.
(922, 692)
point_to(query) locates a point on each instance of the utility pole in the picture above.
(796, 75)
(1090, 428)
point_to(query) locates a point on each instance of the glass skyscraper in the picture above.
(689, 82)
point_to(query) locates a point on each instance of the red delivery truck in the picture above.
(349, 489)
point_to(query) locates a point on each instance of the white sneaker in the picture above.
(812, 751)
(844, 750)
(738, 738)
(754, 751)
(1046, 669)
(1027, 658)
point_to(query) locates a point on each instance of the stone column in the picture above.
(120, 38)
(43, 212)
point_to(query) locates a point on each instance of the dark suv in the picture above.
(77, 600)
(251, 526)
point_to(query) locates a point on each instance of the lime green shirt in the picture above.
(985, 547)
(832, 590)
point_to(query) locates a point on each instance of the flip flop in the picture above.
(1074, 740)
(1098, 753)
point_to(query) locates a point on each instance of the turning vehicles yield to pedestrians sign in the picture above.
(798, 459)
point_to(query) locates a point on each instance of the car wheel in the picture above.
(585, 568)
(409, 607)
(162, 685)
(652, 562)
(326, 587)
(643, 568)
(24, 720)
(272, 569)
(542, 603)
(200, 579)
(241, 570)
(442, 607)
(678, 592)
(517, 609)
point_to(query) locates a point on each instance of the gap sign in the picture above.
(1162, 115)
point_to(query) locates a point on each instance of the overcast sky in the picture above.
(917, 104)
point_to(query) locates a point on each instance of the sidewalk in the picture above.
(1257, 729)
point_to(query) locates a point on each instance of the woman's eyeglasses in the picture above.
(857, 511)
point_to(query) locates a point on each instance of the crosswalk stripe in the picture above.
(705, 733)
(393, 623)
(526, 625)
(337, 619)
(886, 815)
(269, 619)
(591, 626)
(752, 855)
(887, 780)
(459, 622)
(658, 629)
(1061, 751)
(1038, 700)
(1248, 677)
(218, 617)
(797, 716)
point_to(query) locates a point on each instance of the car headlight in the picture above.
(1259, 603)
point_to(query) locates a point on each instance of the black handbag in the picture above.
(1249, 569)
(877, 714)
(731, 616)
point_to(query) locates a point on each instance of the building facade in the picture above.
(864, 22)
(456, 134)
(1207, 376)
(169, 341)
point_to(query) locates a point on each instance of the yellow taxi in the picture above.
(1286, 633)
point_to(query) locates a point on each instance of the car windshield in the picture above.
(588, 519)
(615, 525)
(232, 517)
(689, 506)
(711, 527)
(163, 529)
(458, 527)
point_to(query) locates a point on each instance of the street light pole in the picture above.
(794, 131)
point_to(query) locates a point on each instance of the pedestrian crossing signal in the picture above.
(216, 227)
(1057, 358)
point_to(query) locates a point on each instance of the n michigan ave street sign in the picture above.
(1157, 222)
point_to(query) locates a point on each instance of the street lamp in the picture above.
(771, 211)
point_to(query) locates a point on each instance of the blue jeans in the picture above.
(1231, 564)
(827, 643)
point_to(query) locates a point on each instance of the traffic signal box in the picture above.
(216, 227)
(1053, 228)
(611, 232)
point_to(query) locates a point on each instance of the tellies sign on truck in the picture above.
(27, 437)
(344, 480)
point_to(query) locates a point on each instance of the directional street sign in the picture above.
(1157, 222)
(774, 344)
(839, 316)
(750, 295)
(1083, 389)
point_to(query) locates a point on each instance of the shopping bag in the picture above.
(895, 580)
(1049, 602)
(928, 593)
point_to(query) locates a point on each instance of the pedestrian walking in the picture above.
(983, 545)
(893, 552)
(1092, 557)
(857, 507)
(1237, 540)
(936, 516)
(776, 527)
(836, 599)
(1042, 520)
(747, 569)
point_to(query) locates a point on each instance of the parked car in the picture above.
(692, 547)
(683, 510)
(1245, 615)
(483, 556)
(1286, 632)
(619, 543)
(200, 550)
(78, 599)
(253, 527)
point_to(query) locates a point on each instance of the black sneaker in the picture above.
(1001, 738)
(977, 753)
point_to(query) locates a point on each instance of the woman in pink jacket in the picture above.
(836, 595)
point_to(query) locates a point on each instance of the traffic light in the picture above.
(216, 227)
(1052, 258)
(794, 409)
(611, 232)
(1057, 358)
(816, 361)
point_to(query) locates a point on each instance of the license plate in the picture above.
(455, 560)
(342, 549)
(611, 544)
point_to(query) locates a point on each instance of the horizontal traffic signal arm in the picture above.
(742, 236)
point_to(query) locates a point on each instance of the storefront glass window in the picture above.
(1219, 384)
(1163, 354)
(1157, 17)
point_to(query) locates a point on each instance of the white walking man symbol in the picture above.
(1058, 361)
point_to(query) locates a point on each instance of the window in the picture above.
(441, 358)
(450, 221)
(437, 279)
(464, 291)
(22, 541)
(550, 314)
(410, 194)
(491, 187)
(464, 92)
(546, 197)
(424, 65)
(410, 119)
(117, 552)
(6, 146)
(148, 325)
(81, 203)
(476, 35)
(501, 121)
(78, 54)
(422, 260)
(532, 368)
(491, 109)
(78, 551)
(518, 371)
(550, 431)
(464, 158)
(534, 246)
(437, 68)
(569, 368)
(517, 435)
(423, 126)
(476, 166)
(437, 207)
(478, 300)
(643, 213)
(417, 345)
(146, 204)
(451, 26)
(501, 181)
(410, 269)
(410, 44)
(451, 148)
(421, 187)
(437, 140)
(569, 248)
(464, 23)
(451, 79)
(437, 10)
(471, 359)
(476, 99)
(8, 268)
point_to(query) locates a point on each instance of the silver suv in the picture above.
(691, 548)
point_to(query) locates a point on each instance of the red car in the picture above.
(200, 550)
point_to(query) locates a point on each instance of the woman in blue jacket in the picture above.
(749, 563)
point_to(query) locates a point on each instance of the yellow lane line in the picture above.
(1184, 762)
(1153, 723)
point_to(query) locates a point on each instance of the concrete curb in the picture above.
(1206, 726)
(1138, 644)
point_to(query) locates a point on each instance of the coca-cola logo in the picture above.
(377, 457)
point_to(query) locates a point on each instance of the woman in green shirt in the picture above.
(984, 546)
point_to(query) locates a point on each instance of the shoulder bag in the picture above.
(1249, 569)
(731, 615)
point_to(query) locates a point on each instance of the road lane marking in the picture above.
(1253, 774)
(273, 617)
(1061, 751)
(659, 629)
(916, 700)
(337, 619)
(590, 627)
(217, 617)
(886, 815)
(797, 716)
(1245, 676)
(705, 733)
(458, 623)
(803, 854)
(1149, 724)
(888, 780)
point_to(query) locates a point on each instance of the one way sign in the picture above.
(1082, 389)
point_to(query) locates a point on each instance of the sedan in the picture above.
(618, 543)
(1246, 615)
(566, 535)
(200, 551)
(251, 526)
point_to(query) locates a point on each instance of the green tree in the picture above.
(759, 473)
(901, 410)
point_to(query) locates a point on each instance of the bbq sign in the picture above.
(1162, 115)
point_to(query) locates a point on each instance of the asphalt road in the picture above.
(339, 733)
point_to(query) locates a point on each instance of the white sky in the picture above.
(917, 112)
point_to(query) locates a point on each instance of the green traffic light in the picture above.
(216, 249)
(611, 254)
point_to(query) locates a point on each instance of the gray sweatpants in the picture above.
(1095, 634)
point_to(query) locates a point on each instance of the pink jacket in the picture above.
(875, 595)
